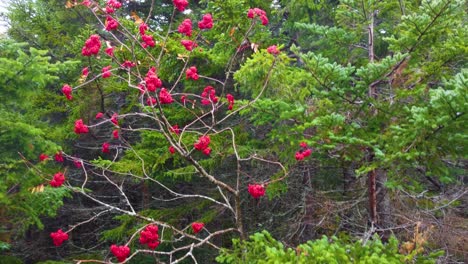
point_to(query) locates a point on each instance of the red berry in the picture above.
(59, 237)
(120, 252)
(256, 190)
(197, 227)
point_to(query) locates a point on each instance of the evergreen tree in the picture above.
(25, 72)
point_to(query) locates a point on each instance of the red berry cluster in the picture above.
(230, 99)
(188, 44)
(175, 129)
(105, 147)
(165, 97)
(80, 127)
(112, 5)
(151, 101)
(86, 3)
(92, 46)
(209, 95)
(256, 190)
(59, 157)
(172, 150)
(206, 22)
(180, 4)
(67, 91)
(203, 145)
(152, 81)
(150, 236)
(191, 73)
(142, 28)
(120, 252)
(59, 237)
(114, 119)
(257, 12)
(58, 180)
(77, 163)
(111, 24)
(148, 41)
(185, 28)
(304, 152)
(106, 73)
(110, 51)
(128, 64)
(43, 157)
(85, 72)
(197, 227)
(273, 50)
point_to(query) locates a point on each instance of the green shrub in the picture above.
(262, 248)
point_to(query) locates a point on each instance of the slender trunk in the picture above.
(370, 40)
(370, 48)
(383, 207)
(402, 7)
(237, 201)
(379, 200)
(372, 191)
(372, 186)
(239, 224)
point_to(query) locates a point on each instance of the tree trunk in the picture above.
(372, 186)
(370, 40)
(379, 201)
(384, 208)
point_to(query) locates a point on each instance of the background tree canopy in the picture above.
(375, 90)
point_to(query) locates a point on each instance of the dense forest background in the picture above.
(337, 131)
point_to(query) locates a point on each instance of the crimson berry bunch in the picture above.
(58, 180)
(59, 237)
(180, 4)
(185, 28)
(92, 46)
(197, 227)
(208, 96)
(304, 152)
(206, 22)
(120, 252)
(188, 44)
(150, 236)
(257, 12)
(67, 91)
(111, 24)
(256, 190)
(59, 157)
(152, 80)
(43, 157)
(192, 73)
(230, 99)
(80, 127)
(112, 5)
(203, 145)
